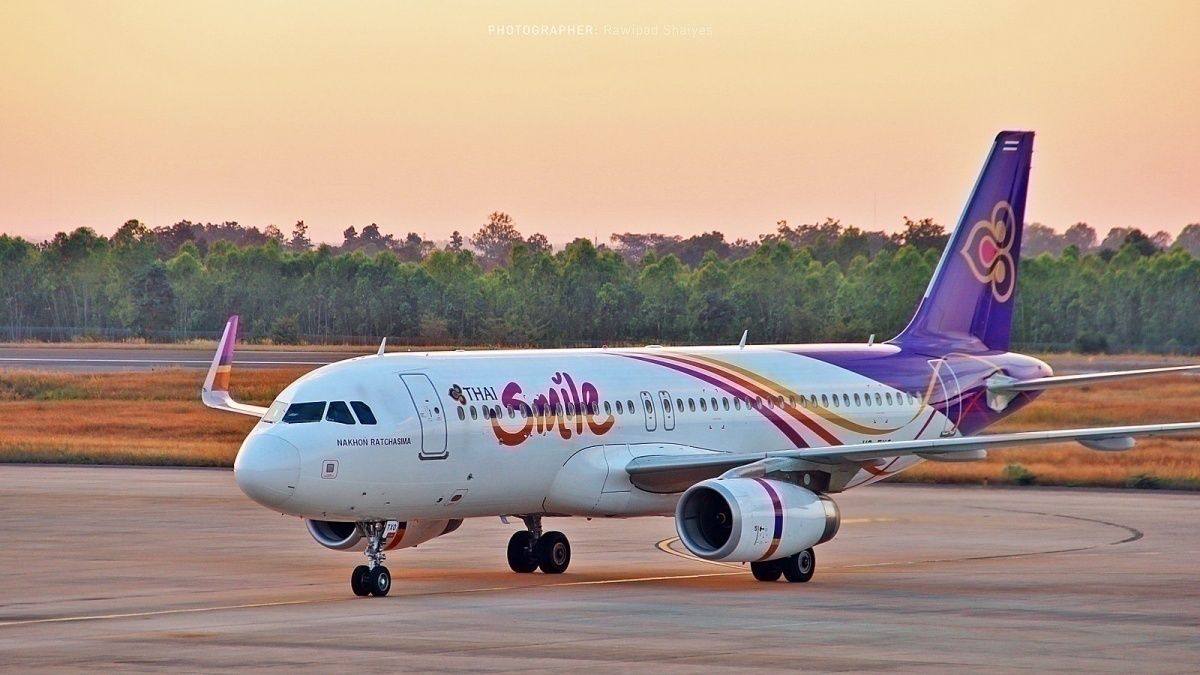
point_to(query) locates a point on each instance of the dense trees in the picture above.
(823, 281)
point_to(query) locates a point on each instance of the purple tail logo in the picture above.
(988, 251)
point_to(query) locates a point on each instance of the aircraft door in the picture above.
(651, 417)
(431, 414)
(668, 412)
(945, 395)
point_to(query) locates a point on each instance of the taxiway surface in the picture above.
(153, 569)
(99, 359)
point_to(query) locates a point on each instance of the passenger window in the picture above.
(846, 400)
(725, 402)
(713, 401)
(824, 401)
(364, 414)
(666, 405)
(620, 408)
(878, 399)
(857, 401)
(737, 403)
(692, 405)
(607, 408)
(835, 400)
(889, 398)
(679, 404)
(474, 415)
(299, 413)
(462, 413)
(339, 412)
(703, 407)
(632, 407)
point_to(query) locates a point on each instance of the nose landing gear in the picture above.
(531, 549)
(372, 578)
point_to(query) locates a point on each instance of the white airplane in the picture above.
(743, 445)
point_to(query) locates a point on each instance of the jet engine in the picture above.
(345, 536)
(753, 519)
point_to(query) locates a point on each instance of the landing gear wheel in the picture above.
(522, 552)
(553, 552)
(768, 570)
(379, 581)
(800, 567)
(360, 580)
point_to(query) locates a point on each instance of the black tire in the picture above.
(553, 552)
(380, 580)
(522, 552)
(360, 580)
(800, 567)
(768, 570)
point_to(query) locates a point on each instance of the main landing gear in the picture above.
(531, 549)
(797, 568)
(372, 578)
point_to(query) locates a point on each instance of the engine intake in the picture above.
(752, 519)
(336, 535)
(344, 536)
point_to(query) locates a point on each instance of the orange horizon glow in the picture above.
(427, 117)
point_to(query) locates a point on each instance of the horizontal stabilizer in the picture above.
(1008, 384)
(215, 393)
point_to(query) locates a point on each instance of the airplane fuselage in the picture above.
(466, 434)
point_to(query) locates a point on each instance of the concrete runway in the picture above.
(83, 358)
(150, 569)
(92, 359)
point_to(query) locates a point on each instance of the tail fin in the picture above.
(969, 302)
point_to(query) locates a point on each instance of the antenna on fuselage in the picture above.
(871, 340)
(742, 342)
(382, 347)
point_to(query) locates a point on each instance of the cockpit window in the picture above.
(365, 416)
(275, 412)
(304, 412)
(338, 412)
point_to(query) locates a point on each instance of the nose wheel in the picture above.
(532, 549)
(372, 578)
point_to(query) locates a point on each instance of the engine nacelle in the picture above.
(752, 519)
(344, 536)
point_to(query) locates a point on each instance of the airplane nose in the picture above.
(267, 469)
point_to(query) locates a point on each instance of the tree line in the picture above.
(811, 282)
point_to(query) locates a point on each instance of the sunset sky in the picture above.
(428, 116)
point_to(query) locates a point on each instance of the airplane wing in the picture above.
(1007, 384)
(668, 469)
(215, 393)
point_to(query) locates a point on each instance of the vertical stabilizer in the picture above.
(969, 302)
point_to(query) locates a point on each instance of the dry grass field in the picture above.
(156, 418)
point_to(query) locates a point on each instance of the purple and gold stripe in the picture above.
(777, 503)
(787, 430)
